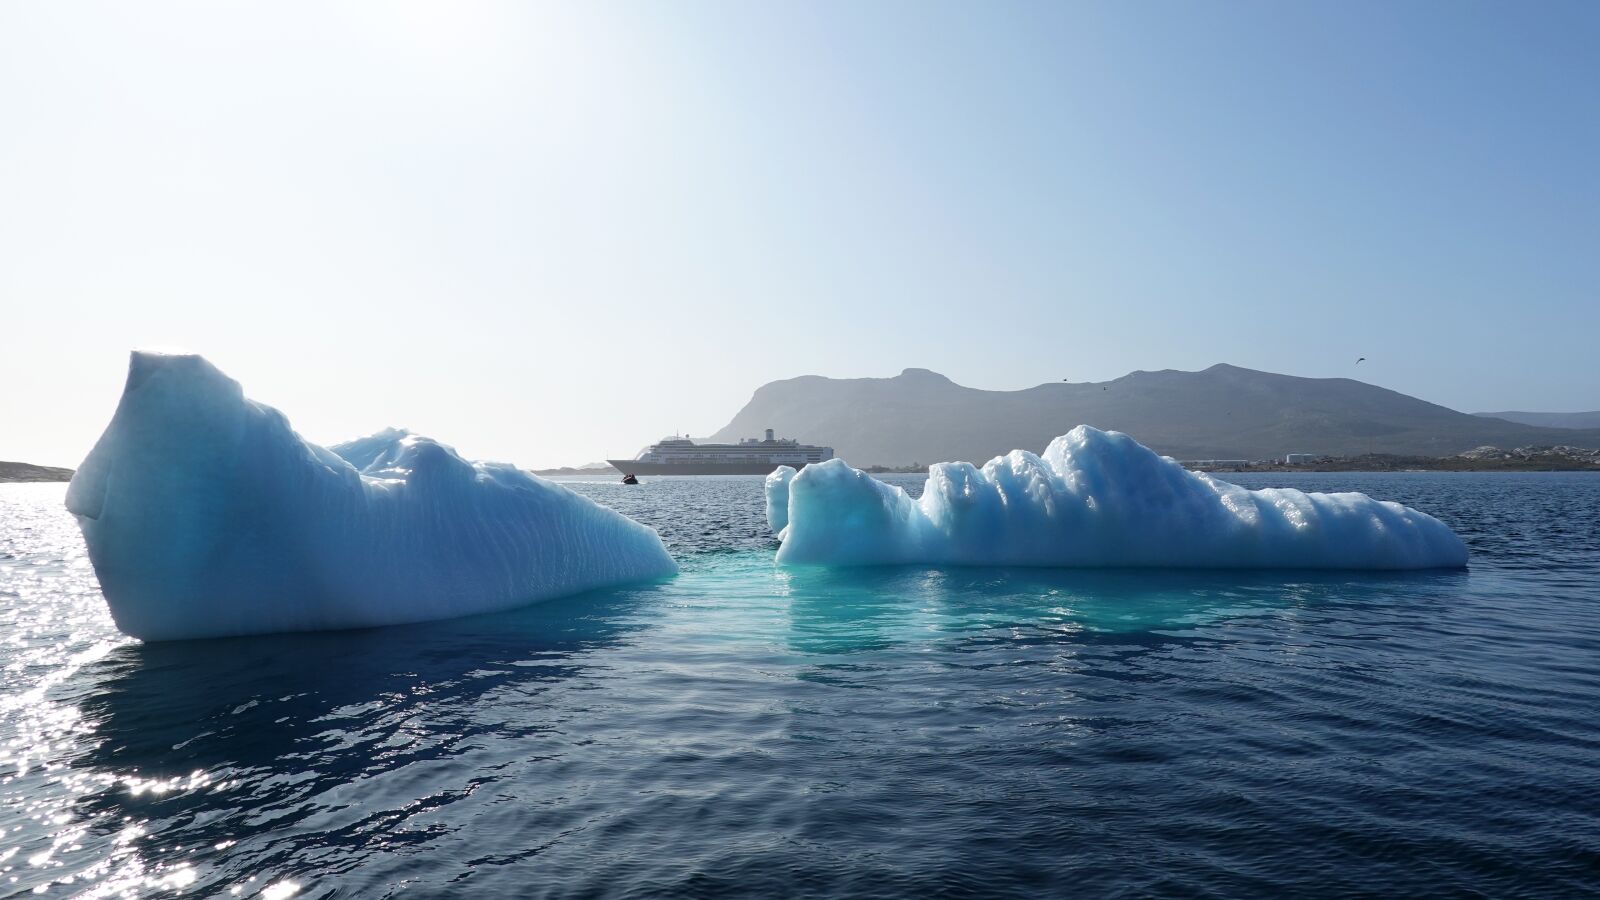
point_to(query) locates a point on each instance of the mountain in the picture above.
(1223, 412)
(1549, 420)
(16, 471)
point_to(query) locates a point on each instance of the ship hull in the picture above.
(635, 467)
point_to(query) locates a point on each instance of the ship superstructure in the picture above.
(752, 456)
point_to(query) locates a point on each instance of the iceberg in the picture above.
(1094, 499)
(206, 515)
(777, 488)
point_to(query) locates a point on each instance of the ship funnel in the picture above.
(769, 434)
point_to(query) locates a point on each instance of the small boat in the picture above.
(629, 479)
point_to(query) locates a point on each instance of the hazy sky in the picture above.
(551, 233)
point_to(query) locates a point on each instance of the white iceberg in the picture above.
(777, 488)
(1095, 499)
(206, 515)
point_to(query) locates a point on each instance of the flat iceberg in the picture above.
(1095, 499)
(206, 515)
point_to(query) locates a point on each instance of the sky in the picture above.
(550, 233)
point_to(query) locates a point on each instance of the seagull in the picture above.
(1361, 360)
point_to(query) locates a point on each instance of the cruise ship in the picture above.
(751, 456)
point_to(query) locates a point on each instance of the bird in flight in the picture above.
(1361, 360)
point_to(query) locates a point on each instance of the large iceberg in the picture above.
(1095, 499)
(206, 515)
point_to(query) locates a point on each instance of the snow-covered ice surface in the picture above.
(1095, 498)
(206, 515)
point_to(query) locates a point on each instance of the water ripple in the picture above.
(752, 731)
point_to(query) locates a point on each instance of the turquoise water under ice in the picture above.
(748, 730)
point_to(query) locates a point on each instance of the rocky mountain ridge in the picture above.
(1223, 412)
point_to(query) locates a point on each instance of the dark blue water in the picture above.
(746, 730)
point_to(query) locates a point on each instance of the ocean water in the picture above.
(748, 730)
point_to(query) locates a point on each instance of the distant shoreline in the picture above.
(1373, 462)
(27, 473)
(569, 470)
(1382, 463)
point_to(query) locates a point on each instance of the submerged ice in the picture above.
(1095, 498)
(206, 515)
